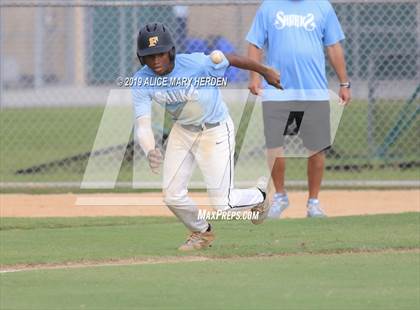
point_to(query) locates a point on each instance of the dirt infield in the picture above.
(335, 203)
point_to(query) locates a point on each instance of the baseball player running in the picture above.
(203, 132)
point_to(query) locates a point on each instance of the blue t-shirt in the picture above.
(189, 92)
(294, 33)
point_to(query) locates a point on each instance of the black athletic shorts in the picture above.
(310, 120)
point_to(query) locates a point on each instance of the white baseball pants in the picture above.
(212, 150)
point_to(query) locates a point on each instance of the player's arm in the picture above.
(255, 54)
(143, 126)
(147, 142)
(336, 57)
(269, 74)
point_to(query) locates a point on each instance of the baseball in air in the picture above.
(216, 56)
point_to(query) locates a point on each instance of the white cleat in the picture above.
(314, 210)
(264, 207)
(279, 204)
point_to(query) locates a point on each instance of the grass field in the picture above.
(361, 262)
(36, 136)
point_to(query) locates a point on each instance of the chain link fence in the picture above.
(61, 59)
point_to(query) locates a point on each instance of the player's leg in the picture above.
(275, 115)
(316, 138)
(178, 167)
(215, 159)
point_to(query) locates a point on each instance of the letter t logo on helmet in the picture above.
(153, 39)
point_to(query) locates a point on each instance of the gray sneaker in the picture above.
(264, 207)
(314, 209)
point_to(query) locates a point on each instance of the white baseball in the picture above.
(216, 56)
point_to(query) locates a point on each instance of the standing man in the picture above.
(202, 134)
(293, 34)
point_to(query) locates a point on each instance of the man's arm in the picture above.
(147, 142)
(335, 54)
(255, 54)
(270, 75)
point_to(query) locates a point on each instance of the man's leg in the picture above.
(277, 165)
(275, 116)
(315, 173)
(316, 138)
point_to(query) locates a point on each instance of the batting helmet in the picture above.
(154, 39)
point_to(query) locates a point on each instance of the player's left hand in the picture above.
(345, 95)
(155, 160)
(272, 76)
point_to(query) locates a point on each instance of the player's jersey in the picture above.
(184, 92)
(294, 33)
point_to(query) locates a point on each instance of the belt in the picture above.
(197, 128)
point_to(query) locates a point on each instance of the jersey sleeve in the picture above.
(257, 34)
(142, 103)
(332, 32)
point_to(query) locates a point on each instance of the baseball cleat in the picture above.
(264, 207)
(279, 204)
(198, 241)
(314, 209)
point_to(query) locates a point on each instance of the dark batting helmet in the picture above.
(153, 39)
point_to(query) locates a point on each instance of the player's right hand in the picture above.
(155, 160)
(272, 76)
(255, 86)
